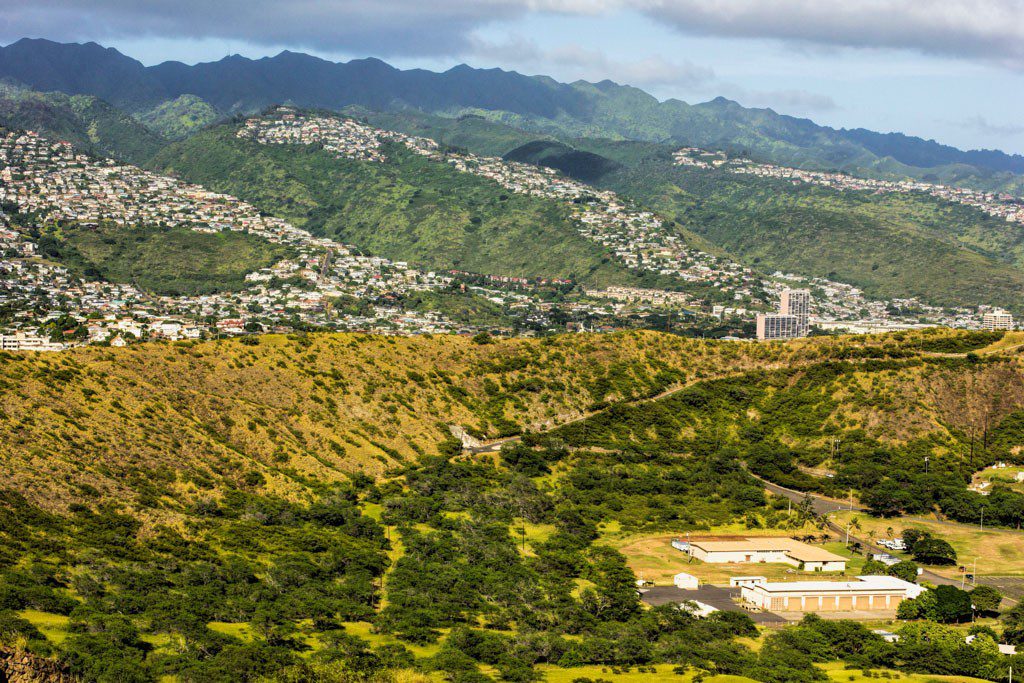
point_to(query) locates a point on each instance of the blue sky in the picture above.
(952, 70)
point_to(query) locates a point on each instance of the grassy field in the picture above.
(663, 674)
(53, 626)
(837, 672)
(999, 552)
(363, 629)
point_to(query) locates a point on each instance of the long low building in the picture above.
(767, 549)
(866, 593)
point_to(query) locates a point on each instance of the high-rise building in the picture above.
(792, 320)
(997, 319)
(777, 326)
(797, 302)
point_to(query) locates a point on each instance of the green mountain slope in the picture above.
(167, 261)
(408, 208)
(87, 122)
(180, 117)
(892, 245)
(294, 509)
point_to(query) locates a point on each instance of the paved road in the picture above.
(718, 597)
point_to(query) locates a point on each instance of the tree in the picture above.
(1013, 620)
(920, 607)
(874, 567)
(951, 605)
(934, 551)
(912, 536)
(986, 599)
(905, 570)
(887, 499)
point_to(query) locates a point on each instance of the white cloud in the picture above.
(994, 130)
(787, 101)
(384, 27)
(573, 61)
(986, 29)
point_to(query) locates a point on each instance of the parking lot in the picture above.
(717, 597)
(1010, 586)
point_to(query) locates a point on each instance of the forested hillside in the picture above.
(167, 261)
(891, 246)
(89, 123)
(289, 408)
(295, 508)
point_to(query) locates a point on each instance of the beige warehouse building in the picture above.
(767, 549)
(865, 594)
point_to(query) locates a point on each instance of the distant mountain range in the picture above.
(240, 85)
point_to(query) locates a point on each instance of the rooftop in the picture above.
(795, 549)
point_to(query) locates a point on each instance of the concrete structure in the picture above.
(792, 320)
(997, 319)
(866, 593)
(767, 549)
(21, 341)
(885, 558)
(685, 581)
(797, 303)
(777, 326)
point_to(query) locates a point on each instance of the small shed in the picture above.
(686, 581)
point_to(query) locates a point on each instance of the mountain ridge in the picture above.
(238, 84)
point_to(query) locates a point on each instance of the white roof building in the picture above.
(866, 593)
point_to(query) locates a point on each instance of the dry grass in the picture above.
(652, 557)
(1000, 552)
(288, 411)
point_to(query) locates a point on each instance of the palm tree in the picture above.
(854, 524)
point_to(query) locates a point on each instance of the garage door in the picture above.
(845, 603)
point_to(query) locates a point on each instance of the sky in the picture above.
(950, 70)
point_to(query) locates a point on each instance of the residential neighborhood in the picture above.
(51, 182)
